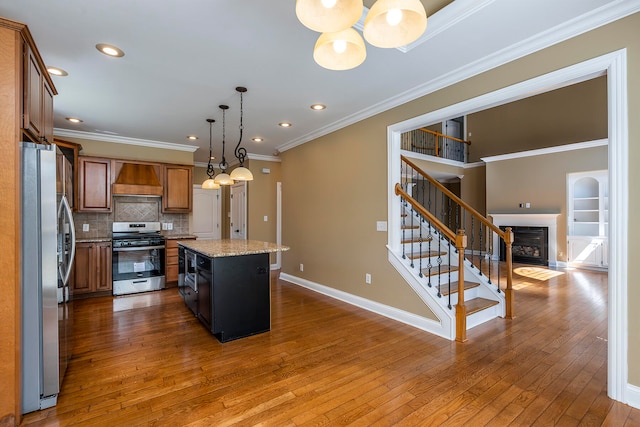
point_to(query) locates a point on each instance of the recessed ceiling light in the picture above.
(284, 124)
(57, 71)
(318, 107)
(109, 50)
(257, 139)
(74, 120)
(192, 137)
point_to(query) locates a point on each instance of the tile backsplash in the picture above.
(128, 209)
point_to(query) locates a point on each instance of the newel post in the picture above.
(461, 310)
(508, 293)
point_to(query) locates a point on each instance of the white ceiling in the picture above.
(184, 58)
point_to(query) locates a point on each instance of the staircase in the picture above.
(458, 274)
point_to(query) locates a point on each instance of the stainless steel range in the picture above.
(138, 257)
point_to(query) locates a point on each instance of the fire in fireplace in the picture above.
(530, 245)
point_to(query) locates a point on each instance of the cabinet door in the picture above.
(177, 195)
(47, 112)
(32, 96)
(94, 184)
(103, 267)
(83, 269)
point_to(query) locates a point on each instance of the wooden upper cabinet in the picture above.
(37, 98)
(177, 188)
(94, 182)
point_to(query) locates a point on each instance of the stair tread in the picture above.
(425, 254)
(478, 304)
(417, 240)
(454, 289)
(443, 269)
(410, 227)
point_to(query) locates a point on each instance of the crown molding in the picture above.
(549, 150)
(264, 158)
(579, 25)
(123, 140)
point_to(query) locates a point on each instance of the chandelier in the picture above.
(240, 173)
(389, 24)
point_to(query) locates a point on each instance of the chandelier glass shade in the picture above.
(394, 23)
(341, 50)
(388, 24)
(328, 16)
(209, 183)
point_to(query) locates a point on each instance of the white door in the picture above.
(238, 211)
(206, 213)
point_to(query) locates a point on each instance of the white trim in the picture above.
(405, 317)
(548, 150)
(262, 157)
(579, 25)
(123, 140)
(474, 165)
(618, 226)
(432, 159)
(614, 65)
(633, 396)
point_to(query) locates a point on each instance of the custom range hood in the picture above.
(137, 179)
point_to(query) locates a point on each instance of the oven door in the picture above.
(138, 269)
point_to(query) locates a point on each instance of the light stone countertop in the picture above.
(231, 247)
(93, 239)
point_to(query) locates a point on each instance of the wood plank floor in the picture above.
(145, 360)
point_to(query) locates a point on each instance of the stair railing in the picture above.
(459, 241)
(432, 143)
(452, 213)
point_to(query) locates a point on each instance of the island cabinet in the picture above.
(232, 285)
(94, 184)
(92, 270)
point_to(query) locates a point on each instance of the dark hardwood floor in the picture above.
(145, 360)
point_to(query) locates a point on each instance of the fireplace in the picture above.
(530, 245)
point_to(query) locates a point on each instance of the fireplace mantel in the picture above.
(549, 220)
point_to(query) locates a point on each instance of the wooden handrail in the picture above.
(431, 217)
(461, 202)
(433, 132)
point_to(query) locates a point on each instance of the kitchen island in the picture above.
(226, 283)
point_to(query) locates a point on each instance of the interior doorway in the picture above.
(238, 211)
(206, 213)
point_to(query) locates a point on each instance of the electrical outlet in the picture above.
(527, 205)
(521, 205)
(164, 225)
(367, 278)
(169, 226)
(266, 218)
(85, 227)
(301, 267)
(381, 225)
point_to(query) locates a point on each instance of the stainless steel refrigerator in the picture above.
(48, 248)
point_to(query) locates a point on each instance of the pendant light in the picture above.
(223, 177)
(395, 23)
(209, 183)
(328, 16)
(241, 173)
(341, 50)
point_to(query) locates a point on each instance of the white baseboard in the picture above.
(422, 323)
(633, 396)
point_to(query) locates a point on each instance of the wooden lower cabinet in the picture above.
(92, 270)
(171, 262)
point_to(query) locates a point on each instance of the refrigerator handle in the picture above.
(67, 211)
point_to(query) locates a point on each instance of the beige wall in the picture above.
(261, 201)
(571, 114)
(541, 181)
(335, 187)
(132, 152)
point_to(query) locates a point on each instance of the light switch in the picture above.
(381, 226)
(266, 218)
(85, 227)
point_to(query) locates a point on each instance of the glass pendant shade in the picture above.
(341, 50)
(395, 23)
(223, 179)
(328, 16)
(241, 174)
(210, 184)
